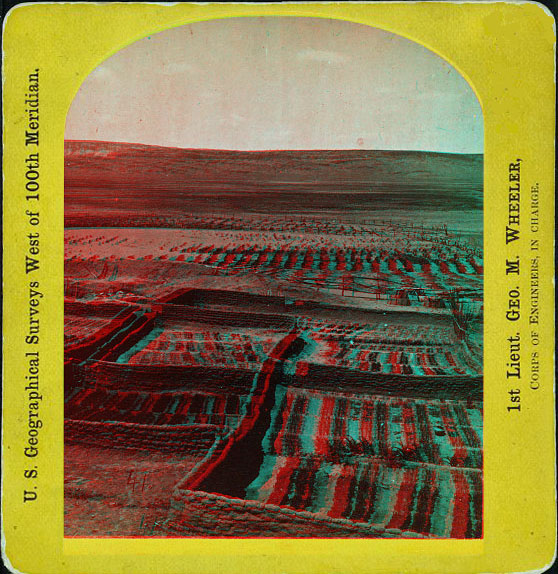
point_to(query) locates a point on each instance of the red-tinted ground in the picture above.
(272, 344)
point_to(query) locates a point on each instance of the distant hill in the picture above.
(120, 184)
(140, 167)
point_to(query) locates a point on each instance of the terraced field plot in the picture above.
(309, 368)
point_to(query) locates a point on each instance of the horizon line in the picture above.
(272, 150)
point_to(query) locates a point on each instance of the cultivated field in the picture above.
(272, 344)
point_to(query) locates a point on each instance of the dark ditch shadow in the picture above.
(242, 464)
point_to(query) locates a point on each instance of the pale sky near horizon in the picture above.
(278, 83)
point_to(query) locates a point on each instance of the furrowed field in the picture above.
(272, 344)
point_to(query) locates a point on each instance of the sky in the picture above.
(278, 83)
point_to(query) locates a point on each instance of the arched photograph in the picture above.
(273, 287)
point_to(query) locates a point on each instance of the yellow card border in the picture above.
(506, 52)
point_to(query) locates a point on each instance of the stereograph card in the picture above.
(278, 288)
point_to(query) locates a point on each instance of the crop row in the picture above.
(429, 431)
(347, 354)
(361, 333)
(172, 408)
(178, 243)
(274, 224)
(178, 347)
(444, 502)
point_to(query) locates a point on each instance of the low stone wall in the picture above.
(339, 379)
(229, 318)
(110, 375)
(90, 345)
(195, 513)
(192, 439)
